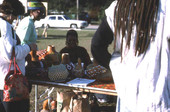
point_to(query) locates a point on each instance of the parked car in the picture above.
(84, 16)
(61, 21)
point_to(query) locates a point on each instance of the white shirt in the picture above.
(143, 82)
(7, 42)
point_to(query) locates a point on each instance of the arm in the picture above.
(85, 57)
(7, 42)
(100, 42)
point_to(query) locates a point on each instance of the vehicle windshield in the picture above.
(66, 17)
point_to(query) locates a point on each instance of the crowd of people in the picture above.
(139, 63)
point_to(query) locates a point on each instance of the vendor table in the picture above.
(106, 88)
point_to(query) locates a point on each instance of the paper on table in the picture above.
(80, 81)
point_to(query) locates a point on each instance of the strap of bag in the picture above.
(13, 57)
(13, 61)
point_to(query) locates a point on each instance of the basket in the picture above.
(94, 71)
(58, 73)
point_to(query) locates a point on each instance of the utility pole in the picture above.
(77, 9)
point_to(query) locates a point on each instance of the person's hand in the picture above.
(33, 47)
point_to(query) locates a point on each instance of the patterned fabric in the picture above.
(96, 70)
(16, 85)
(16, 88)
(102, 85)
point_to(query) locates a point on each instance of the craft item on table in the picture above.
(105, 77)
(35, 69)
(34, 56)
(79, 65)
(41, 54)
(33, 61)
(79, 69)
(69, 65)
(65, 58)
(93, 71)
(58, 73)
(49, 56)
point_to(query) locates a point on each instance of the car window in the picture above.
(60, 18)
(52, 18)
(66, 17)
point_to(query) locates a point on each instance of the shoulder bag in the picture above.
(16, 84)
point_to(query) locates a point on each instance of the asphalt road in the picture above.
(92, 27)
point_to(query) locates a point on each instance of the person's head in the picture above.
(143, 14)
(36, 10)
(10, 9)
(71, 39)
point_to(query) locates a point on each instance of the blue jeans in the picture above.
(17, 106)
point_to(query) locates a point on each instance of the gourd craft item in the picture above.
(50, 56)
(34, 57)
(66, 61)
(58, 73)
(32, 60)
(79, 70)
(65, 58)
(79, 65)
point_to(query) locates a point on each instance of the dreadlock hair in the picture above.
(143, 14)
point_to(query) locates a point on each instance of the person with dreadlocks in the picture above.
(140, 63)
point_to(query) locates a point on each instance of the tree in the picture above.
(93, 7)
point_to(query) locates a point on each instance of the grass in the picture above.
(56, 37)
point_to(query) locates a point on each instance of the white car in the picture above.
(60, 21)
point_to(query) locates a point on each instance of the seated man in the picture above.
(74, 50)
(75, 53)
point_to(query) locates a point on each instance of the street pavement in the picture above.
(91, 27)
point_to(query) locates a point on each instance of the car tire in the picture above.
(73, 26)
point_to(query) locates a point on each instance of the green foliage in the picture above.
(69, 6)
